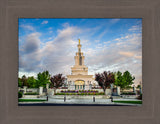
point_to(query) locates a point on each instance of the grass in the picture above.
(31, 100)
(130, 102)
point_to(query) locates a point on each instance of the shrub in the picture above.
(32, 93)
(20, 94)
(128, 93)
(139, 97)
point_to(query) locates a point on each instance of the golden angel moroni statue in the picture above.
(79, 41)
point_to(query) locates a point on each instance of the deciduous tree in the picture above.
(124, 80)
(32, 82)
(43, 78)
(57, 81)
(105, 79)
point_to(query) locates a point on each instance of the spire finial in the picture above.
(79, 41)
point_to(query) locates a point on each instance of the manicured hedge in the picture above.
(31, 100)
(129, 102)
(20, 94)
(128, 93)
(32, 93)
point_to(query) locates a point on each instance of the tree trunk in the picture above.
(104, 89)
(54, 91)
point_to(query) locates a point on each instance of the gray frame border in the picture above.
(11, 10)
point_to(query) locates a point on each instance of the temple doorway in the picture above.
(79, 85)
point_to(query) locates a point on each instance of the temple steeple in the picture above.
(79, 78)
(79, 46)
(79, 66)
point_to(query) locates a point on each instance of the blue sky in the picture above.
(108, 44)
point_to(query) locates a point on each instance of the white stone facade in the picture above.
(79, 78)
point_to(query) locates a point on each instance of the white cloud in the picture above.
(65, 25)
(114, 57)
(57, 55)
(127, 54)
(135, 28)
(113, 21)
(27, 27)
(44, 22)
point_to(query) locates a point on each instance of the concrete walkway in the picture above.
(84, 101)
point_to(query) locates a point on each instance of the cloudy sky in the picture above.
(107, 44)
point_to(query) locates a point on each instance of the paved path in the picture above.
(80, 102)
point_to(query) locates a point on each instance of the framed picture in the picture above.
(11, 15)
(104, 67)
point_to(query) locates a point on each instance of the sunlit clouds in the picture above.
(107, 44)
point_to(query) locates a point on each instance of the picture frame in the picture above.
(11, 113)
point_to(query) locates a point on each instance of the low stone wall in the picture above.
(30, 96)
(32, 89)
(129, 96)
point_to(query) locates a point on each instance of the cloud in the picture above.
(32, 43)
(65, 25)
(44, 22)
(124, 54)
(135, 28)
(29, 55)
(127, 54)
(55, 56)
(113, 21)
(27, 27)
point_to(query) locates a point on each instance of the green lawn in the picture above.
(31, 100)
(131, 102)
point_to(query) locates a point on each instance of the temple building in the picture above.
(79, 78)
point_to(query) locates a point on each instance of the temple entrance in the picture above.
(79, 85)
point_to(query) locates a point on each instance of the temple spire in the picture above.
(79, 46)
(79, 41)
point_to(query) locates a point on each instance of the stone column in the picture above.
(25, 89)
(19, 88)
(134, 89)
(111, 87)
(90, 86)
(72, 86)
(118, 90)
(140, 89)
(40, 90)
(47, 86)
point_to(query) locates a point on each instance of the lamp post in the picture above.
(65, 98)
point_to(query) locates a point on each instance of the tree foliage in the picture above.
(20, 83)
(105, 79)
(32, 82)
(43, 78)
(57, 81)
(24, 80)
(124, 80)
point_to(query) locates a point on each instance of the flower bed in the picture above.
(80, 93)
